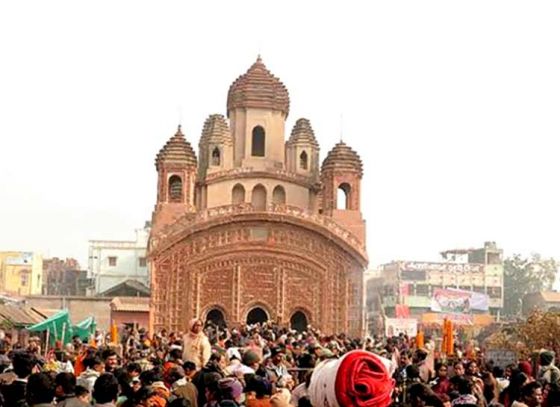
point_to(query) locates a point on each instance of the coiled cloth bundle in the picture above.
(358, 379)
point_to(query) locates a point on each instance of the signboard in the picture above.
(457, 319)
(458, 301)
(24, 259)
(501, 357)
(396, 326)
(444, 267)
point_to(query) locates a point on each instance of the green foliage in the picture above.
(526, 275)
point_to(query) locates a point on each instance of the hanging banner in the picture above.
(402, 311)
(397, 326)
(458, 301)
(404, 289)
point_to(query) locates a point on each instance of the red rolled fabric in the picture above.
(362, 380)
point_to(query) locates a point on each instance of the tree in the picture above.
(526, 275)
(541, 330)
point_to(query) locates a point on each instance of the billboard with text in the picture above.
(458, 301)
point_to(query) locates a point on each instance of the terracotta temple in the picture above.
(255, 228)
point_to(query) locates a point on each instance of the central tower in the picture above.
(258, 105)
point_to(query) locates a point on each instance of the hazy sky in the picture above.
(453, 106)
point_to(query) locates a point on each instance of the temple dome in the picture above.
(216, 131)
(258, 88)
(302, 133)
(342, 157)
(177, 150)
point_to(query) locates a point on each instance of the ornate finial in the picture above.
(179, 132)
(259, 59)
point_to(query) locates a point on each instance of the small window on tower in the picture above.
(112, 261)
(258, 142)
(216, 159)
(142, 262)
(279, 195)
(175, 189)
(238, 194)
(303, 160)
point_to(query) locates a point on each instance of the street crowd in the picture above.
(261, 365)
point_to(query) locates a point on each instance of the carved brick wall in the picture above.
(278, 267)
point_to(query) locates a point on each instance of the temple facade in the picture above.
(256, 228)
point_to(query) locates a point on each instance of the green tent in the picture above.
(84, 329)
(58, 327)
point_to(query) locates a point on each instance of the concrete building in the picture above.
(255, 228)
(21, 273)
(408, 288)
(112, 262)
(544, 301)
(61, 277)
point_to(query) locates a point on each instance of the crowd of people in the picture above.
(257, 365)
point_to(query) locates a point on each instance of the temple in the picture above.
(255, 228)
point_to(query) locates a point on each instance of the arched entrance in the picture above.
(298, 321)
(257, 315)
(216, 316)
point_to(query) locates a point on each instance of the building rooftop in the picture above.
(131, 304)
(19, 315)
(132, 285)
(550, 296)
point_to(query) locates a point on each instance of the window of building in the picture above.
(279, 195)
(112, 261)
(303, 160)
(413, 275)
(258, 199)
(142, 262)
(422, 290)
(494, 292)
(494, 258)
(343, 196)
(24, 278)
(175, 189)
(258, 142)
(238, 194)
(216, 159)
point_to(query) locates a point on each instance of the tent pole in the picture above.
(47, 343)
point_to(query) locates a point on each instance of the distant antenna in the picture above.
(341, 126)
(180, 114)
(259, 48)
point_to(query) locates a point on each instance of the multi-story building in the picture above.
(112, 262)
(21, 273)
(61, 277)
(409, 288)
